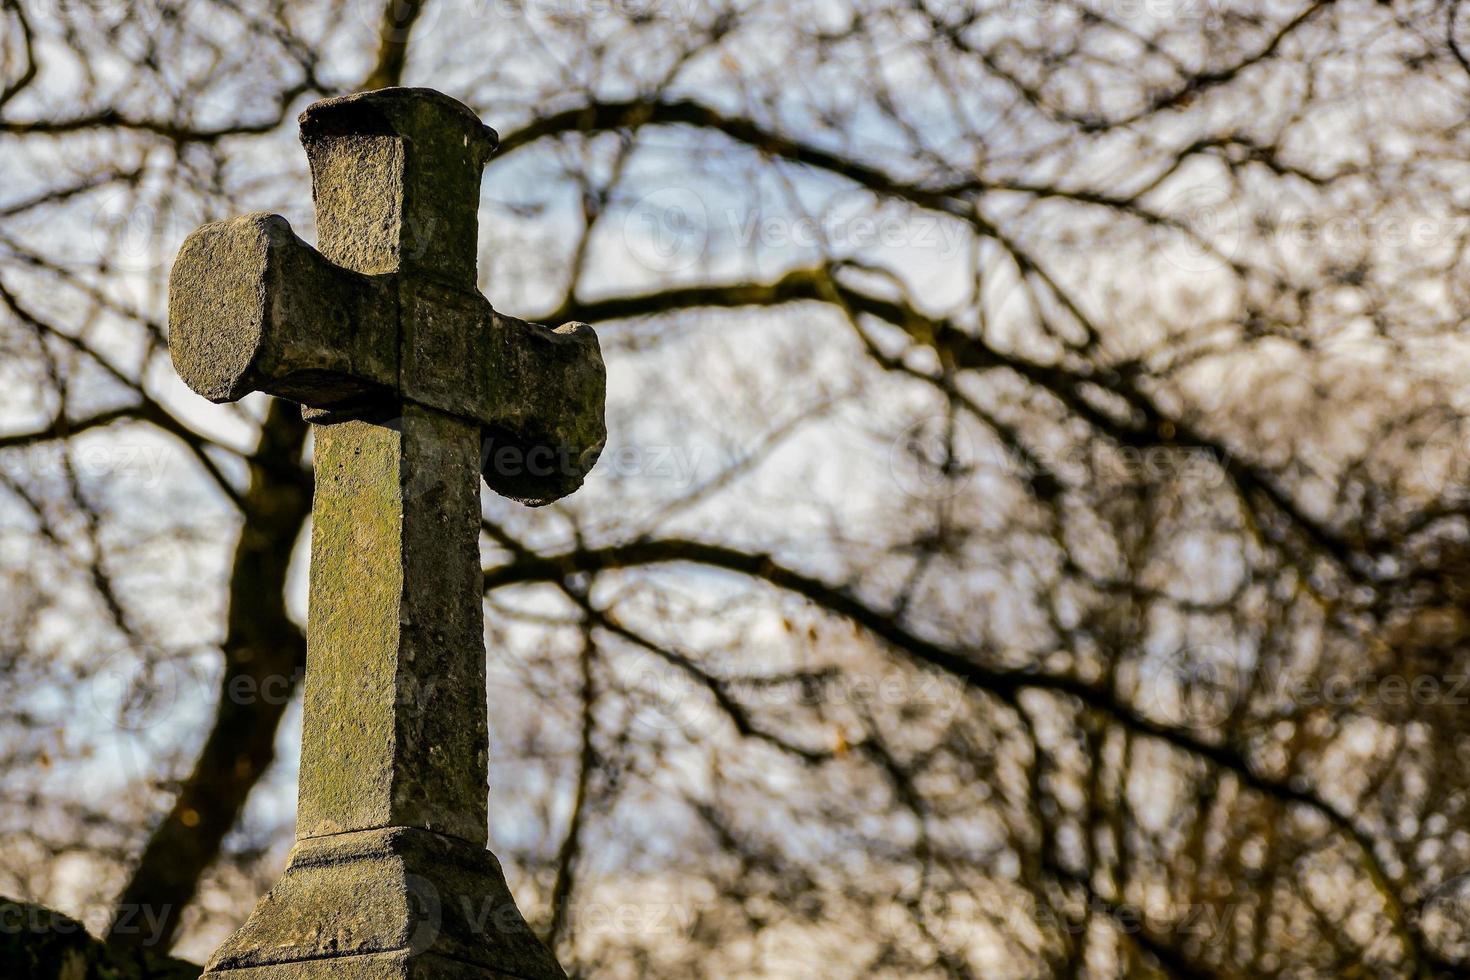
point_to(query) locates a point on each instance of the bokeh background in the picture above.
(1033, 535)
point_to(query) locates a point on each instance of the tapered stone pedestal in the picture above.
(392, 903)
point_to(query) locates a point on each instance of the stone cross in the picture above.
(417, 388)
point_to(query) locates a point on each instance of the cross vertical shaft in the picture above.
(393, 732)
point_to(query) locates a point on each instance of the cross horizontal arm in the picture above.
(545, 389)
(254, 308)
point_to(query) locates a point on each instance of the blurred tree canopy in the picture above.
(1032, 539)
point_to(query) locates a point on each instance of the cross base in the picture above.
(388, 904)
(374, 966)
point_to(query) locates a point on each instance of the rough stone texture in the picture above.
(414, 157)
(418, 388)
(380, 966)
(388, 311)
(386, 891)
(254, 308)
(394, 727)
(37, 943)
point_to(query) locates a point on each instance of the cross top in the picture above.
(396, 175)
(386, 310)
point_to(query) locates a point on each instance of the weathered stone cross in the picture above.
(418, 387)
